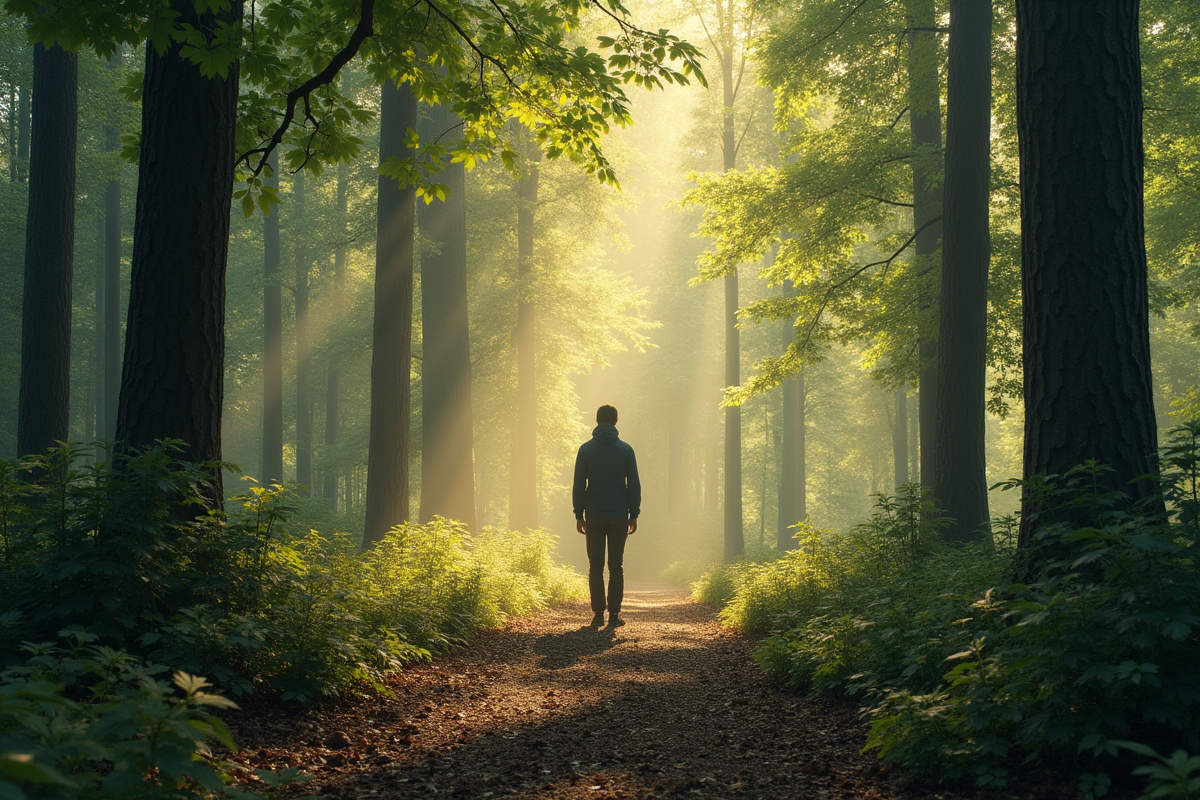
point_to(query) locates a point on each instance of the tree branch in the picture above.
(362, 31)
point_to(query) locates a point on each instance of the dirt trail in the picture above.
(668, 706)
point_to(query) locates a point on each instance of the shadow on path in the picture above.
(561, 650)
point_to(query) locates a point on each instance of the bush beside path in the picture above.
(670, 705)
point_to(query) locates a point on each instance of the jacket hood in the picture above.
(605, 432)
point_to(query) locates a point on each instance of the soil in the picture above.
(668, 706)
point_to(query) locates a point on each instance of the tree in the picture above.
(391, 348)
(726, 31)
(172, 376)
(1088, 392)
(333, 368)
(522, 507)
(793, 477)
(304, 472)
(960, 474)
(109, 325)
(44, 407)
(925, 123)
(272, 415)
(447, 464)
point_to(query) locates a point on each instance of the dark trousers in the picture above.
(612, 532)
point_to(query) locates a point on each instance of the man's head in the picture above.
(606, 415)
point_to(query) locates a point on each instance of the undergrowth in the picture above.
(964, 674)
(125, 558)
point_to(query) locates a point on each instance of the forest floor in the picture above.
(668, 706)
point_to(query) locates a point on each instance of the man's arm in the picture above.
(633, 491)
(579, 490)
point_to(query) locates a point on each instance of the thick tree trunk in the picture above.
(900, 439)
(304, 445)
(1088, 390)
(391, 358)
(926, 126)
(110, 332)
(173, 371)
(522, 509)
(272, 415)
(333, 368)
(447, 463)
(960, 473)
(44, 404)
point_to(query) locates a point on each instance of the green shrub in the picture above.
(962, 672)
(82, 720)
(245, 596)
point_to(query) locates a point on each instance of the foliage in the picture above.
(964, 674)
(245, 597)
(79, 719)
(494, 62)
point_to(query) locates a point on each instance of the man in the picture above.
(607, 498)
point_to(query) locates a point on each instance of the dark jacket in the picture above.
(606, 478)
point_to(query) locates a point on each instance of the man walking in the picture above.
(607, 497)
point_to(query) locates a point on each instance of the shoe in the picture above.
(614, 621)
(598, 620)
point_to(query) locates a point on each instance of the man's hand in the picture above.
(632, 527)
(580, 525)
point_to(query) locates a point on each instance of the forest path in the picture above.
(668, 706)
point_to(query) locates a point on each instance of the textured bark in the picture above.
(110, 334)
(900, 439)
(173, 371)
(333, 368)
(303, 259)
(391, 358)
(793, 484)
(272, 415)
(522, 504)
(926, 127)
(1088, 391)
(44, 404)
(960, 475)
(447, 464)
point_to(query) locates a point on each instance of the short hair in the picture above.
(606, 415)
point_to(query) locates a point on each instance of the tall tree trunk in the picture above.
(522, 509)
(793, 490)
(960, 472)
(94, 420)
(900, 439)
(391, 357)
(768, 445)
(926, 127)
(23, 133)
(304, 469)
(43, 413)
(1088, 390)
(172, 376)
(333, 368)
(272, 414)
(447, 443)
(735, 544)
(110, 332)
